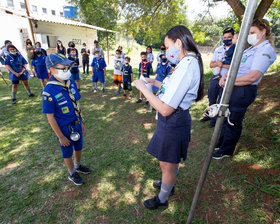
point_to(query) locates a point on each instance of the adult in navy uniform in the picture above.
(16, 64)
(216, 62)
(254, 63)
(177, 92)
(61, 105)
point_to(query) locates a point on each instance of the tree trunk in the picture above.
(262, 8)
(237, 7)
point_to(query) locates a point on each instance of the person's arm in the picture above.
(153, 82)
(62, 139)
(217, 63)
(163, 108)
(34, 70)
(8, 67)
(105, 71)
(248, 79)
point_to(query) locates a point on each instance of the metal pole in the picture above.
(29, 21)
(108, 47)
(242, 40)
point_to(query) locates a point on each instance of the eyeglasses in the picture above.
(64, 69)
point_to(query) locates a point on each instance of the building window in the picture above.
(10, 3)
(22, 5)
(61, 14)
(53, 12)
(34, 8)
(44, 10)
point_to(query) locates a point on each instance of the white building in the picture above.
(48, 23)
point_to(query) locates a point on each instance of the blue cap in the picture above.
(37, 48)
(54, 59)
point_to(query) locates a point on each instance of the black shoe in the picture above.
(154, 203)
(218, 155)
(212, 125)
(206, 118)
(157, 184)
(147, 103)
(83, 169)
(14, 101)
(76, 179)
(31, 95)
(139, 101)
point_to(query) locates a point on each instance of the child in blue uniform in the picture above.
(163, 69)
(75, 73)
(127, 77)
(61, 105)
(145, 69)
(98, 70)
(16, 64)
(38, 63)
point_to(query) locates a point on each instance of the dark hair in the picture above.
(182, 33)
(127, 58)
(162, 45)
(143, 53)
(228, 30)
(28, 41)
(262, 24)
(11, 46)
(96, 42)
(58, 45)
(119, 51)
(120, 47)
(150, 48)
(84, 44)
(71, 44)
(38, 43)
(7, 41)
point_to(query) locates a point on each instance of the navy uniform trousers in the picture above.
(241, 98)
(213, 94)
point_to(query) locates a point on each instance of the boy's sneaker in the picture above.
(130, 97)
(76, 179)
(103, 90)
(139, 101)
(147, 103)
(124, 96)
(157, 184)
(218, 155)
(206, 118)
(14, 101)
(95, 90)
(83, 169)
(154, 203)
(118, 92)
(31, 95)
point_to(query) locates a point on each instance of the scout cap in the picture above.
(57, 58)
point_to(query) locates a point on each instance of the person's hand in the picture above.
(139, 84)
(222, 81)
(64, 141)
(219, 63)
(104, 73)
(92, 74)
(151, 81)
(36, 75)
(84, 128)
(17, 74)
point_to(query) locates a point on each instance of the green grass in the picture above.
(34, 186)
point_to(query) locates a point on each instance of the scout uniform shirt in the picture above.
(40, 65)
(180, 89)
(145, 69)
(257, 58)
(98, 65)
(127, 71)
(219, 53)
(57, 101)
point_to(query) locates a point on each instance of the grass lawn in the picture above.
(34, 186)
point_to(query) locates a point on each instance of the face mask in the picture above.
(172, 55)
(96, 55)
(148, 51)
(59, 44)
(164, 60)
(143, 60)
(13, 53)
(126, 62)
(252, 39)
(73, 55)
(227, 42)
(38, 53)
(72, 46)
(118, 56)
(163, 49)
(63, 75)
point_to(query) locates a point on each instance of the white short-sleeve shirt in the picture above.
(150, 57)
(118, 64)
(219, 53)
(257, 58)
(180, 89)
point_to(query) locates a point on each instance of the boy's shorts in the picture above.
(117, 78)
(75, 76)
(98, 76)
(67, 151)
(127, 86)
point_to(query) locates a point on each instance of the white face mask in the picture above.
(63, 75)
(252, 39)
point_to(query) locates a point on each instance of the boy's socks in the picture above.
(28, 91)
(76, 164)
(103, 85)
(95, 85)
(14, 94)
(164, 192)
(71, 172)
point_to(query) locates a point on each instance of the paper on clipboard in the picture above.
(148, 85)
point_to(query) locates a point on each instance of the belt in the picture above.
(74, 123)
(179, 109)
(216, 77)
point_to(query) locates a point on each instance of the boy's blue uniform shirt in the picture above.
(56, 100)
(162, 71)
(98, 65)
(16, 63)
(75, 66)
(40, 65)
(228, 55)
(145, 69)
(127, 71)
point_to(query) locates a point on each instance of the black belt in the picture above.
(179, 109)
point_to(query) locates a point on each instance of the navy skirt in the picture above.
(172, 136)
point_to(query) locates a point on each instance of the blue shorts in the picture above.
(75, 76)
(99, 75)
(171, 138)
(67, 152)
(25, 76)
